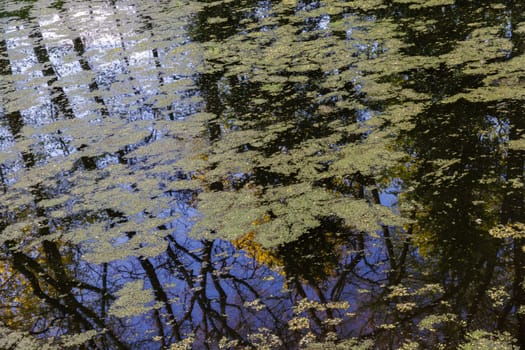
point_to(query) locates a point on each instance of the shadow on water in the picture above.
(278, 175)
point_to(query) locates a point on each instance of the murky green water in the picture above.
(262, 175)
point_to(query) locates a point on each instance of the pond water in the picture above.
(234, 174)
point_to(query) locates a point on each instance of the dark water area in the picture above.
(238, 174)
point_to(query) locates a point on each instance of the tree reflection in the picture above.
(342, 174)
(461, 180)
(211, 292)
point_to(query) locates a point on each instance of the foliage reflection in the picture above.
(231, 174)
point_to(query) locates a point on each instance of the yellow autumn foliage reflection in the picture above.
(256, 251)
(312, 258)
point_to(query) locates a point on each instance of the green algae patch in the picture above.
(132, 300)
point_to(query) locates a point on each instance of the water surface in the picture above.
(262, 175)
